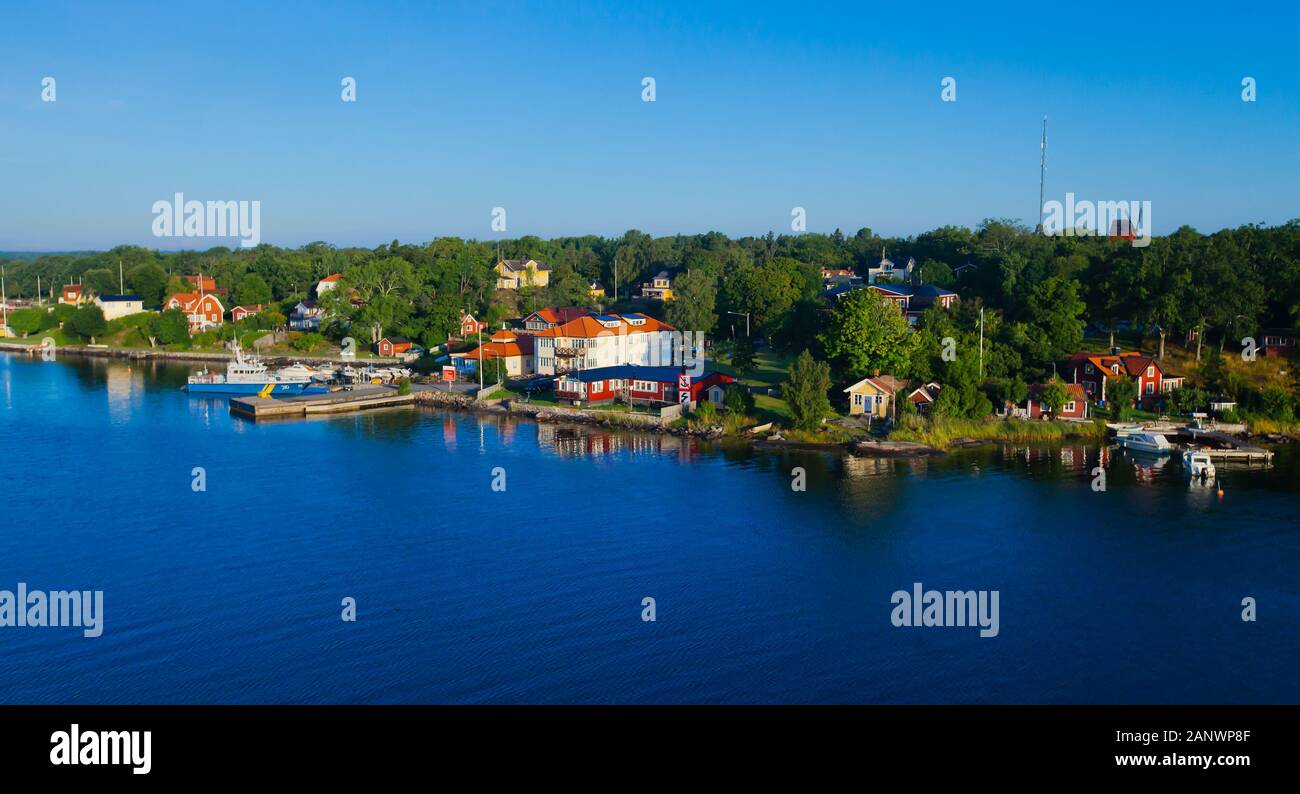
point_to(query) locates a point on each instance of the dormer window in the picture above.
(1114, 368)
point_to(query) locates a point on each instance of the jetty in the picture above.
(355, 399)
(1221, 446)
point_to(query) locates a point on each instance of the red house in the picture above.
(1279, 342)
(393, 346)
(651, 385)
(204, 310)
(1093, 370)
(240, 312)
(1076, 407)
(469, 326)
(923, 397)
(71, 294)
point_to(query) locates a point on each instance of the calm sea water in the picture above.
(534, 595)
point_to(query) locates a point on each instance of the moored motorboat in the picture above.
(1198, 465)
(1152, 443)
(246, 375)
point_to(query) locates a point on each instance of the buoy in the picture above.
(1220, 490)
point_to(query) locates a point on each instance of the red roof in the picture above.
(589, 327)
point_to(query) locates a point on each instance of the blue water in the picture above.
(534, 595)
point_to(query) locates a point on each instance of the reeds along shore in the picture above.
(943, 433)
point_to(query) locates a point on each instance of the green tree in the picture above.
(149, 281)
(743, 355)
(251, 290)
(171, 327)
(1055, 313)
(88, 323)
(1121, 394)
(738, 400)
(101, 281)
(867, 333)
(27, 321)
(695, 298)
(1054, 395)
(805, 391)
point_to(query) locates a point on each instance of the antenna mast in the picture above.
(1042, 173)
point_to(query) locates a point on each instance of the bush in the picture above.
(404, 386)
(171, 327)
(738, 400)
(87, 322)
(308, 342)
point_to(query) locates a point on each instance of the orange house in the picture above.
(204, 310)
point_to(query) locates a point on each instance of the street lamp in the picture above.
(746, 316)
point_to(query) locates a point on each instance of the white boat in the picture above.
(1153, 443)
(1198, 465)
(245, 375)
(1121, 429)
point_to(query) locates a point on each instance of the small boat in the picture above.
(1121, 429)
(246, 376)
(1153, 443)
(1198, 465)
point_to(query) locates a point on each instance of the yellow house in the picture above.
(596, 291)
(659, 288)
(874, 396)
(516, 273)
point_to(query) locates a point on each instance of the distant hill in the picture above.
(29, 255)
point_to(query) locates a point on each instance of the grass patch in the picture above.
(942, 433)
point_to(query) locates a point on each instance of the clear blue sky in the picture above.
(537, 107)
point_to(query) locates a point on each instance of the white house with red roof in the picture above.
(328, 283)
(605, 340)
(203, 309)
(515, 351)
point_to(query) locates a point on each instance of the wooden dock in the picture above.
(1221, 446)
(356, 399)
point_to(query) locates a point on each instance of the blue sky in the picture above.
(536, 107)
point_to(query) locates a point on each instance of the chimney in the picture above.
(875, 373)
(1114, 351)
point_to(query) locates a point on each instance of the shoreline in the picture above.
(144, 353)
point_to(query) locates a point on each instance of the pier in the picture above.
(1221, 446)
(355, 399)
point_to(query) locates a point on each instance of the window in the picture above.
(1151, 371)
(1151, 388)
(1088, 369)
(1069, 407)
(857, 399)
(1114, 368)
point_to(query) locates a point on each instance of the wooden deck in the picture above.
(359, 398)
(1222, 446)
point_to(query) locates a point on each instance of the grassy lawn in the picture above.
(770, 371)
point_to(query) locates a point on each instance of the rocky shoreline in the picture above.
(869, 448)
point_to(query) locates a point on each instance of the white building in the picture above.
(115, 306)
(605, 340)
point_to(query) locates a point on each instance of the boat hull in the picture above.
(244, 388)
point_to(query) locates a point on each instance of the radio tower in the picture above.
(1042, 173)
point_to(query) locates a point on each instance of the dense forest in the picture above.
(1038, 293)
